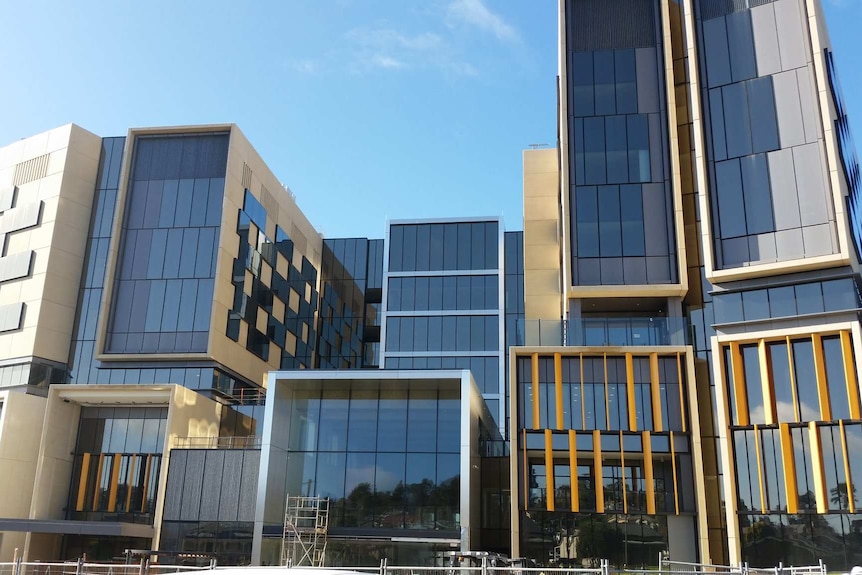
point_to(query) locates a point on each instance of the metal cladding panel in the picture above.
(213, 485)
(191, 502)
(231, 485)
(611, 24)
(176, 482)
(248, 485)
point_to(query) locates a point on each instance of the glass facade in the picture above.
(847, 152)
(622, 230)
(794, 425)
(443, 302)
(287, 301)
(385, 457)
(606, 457)
(163, 293)
(117, 462)
(764, 144)
(351, 294)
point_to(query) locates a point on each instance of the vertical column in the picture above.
(788, 459)
(769, 407)
(82, 484)
(535, 389)
(573, 470)
(549, 471)
(558, 388)
(820, 493)
(597, 471)
(850, 375)
(649, 477)
(764, 506)
(673, 468)
(630, 389)
(820, 375)
(739, 392)
(847, 476)
(655, 392)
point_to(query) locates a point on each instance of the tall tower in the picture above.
(691, 270)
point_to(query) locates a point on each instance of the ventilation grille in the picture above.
(246, 176)
(30, 170)
(716, 8)
(611, 24)
(268, 202)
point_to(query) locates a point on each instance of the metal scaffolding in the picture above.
(306, 520)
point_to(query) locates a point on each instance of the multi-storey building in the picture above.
(693, 249)
(665, 359)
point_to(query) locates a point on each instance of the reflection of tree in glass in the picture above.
(599, 539)
(840, 497)
(421, 505)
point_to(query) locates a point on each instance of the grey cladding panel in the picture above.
(791, 39)
(789, 244)
(785, 200)
(734, 252)
(212, 485)
(787, 105)
(11, 316)
(810, 180)
(757, 197)
(612, 271)
(717, 55)
(647, 80)
(176, 481)
(761, 248)
(655, 220)
(716, 110)
(16, 266)
(765, 40)
(740, 40)
(248, 487)
(818, 240)
(634, 271)
(190, 508)
(7, 197)
(808, 104)
(731, 207)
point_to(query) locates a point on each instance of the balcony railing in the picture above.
(605, 331)
(237, 442)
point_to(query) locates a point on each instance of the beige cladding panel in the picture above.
(54, 174)
(21, 423)
(542, 246)
(246, 169)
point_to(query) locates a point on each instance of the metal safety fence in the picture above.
(665, 567)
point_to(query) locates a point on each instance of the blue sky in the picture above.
(367, 109)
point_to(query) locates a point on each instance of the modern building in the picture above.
(666, 358)
(697, 231)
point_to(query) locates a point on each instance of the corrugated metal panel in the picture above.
(30, 170)
(248, 486)
(611, 24)
(246, 176)
(175, 484)
(213, 485)
(716, 8)
(231, 486)
(190, 508)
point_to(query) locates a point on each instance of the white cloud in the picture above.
(305, 66)
(382, 61)
(475, 13)
(388, 49)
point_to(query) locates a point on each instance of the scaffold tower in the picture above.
(306, 520)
